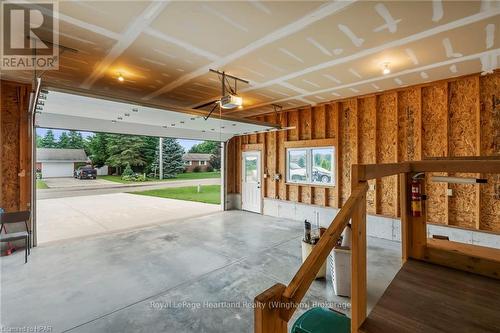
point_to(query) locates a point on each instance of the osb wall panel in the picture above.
(15, 162)
(435, 144)
(348, 145)
(379, 129)
(367, 129)
(463, 138)
(409, 125)
(387, 151)
(490, 145)
(434, 120)
(332, 131)
(282, 137)
(436, 200)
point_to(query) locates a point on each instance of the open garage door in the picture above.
(71, 208)
(61, 110)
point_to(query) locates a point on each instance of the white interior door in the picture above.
(251, 198)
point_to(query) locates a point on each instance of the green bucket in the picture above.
(322, 320)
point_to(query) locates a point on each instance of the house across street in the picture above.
(57, 162)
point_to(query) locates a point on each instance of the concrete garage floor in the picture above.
(157, 278)
(73, 217)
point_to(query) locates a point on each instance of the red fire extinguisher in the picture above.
(416, 197)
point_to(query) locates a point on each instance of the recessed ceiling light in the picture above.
(164, 126)
(120, 118)
(127, 114)
(213, 129)
(234, 124)
(135, 110)
(113, 121)
(182, 121)
(172, 124)
(192, 118)
(386, 69)
(120, 77)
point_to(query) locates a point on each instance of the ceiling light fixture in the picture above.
(120, 77)
(386, 69)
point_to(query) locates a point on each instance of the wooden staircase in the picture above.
(443, 286)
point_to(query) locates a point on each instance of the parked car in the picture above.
(321, 175)
(85, 172)
(297, 172)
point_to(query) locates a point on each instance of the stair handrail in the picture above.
(275, 306)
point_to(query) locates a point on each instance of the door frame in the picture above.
(258, 148)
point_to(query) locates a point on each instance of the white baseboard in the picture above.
(377, 226)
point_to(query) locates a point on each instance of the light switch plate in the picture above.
(449, 192)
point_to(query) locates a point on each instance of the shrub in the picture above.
(197, 169)
(136, 177)
(209, 168)
(128, 171)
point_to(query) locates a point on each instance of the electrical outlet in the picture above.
(449, 192)
(371, 187)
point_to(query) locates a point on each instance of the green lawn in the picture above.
(209, 193)
(40, 184)
(181, 176)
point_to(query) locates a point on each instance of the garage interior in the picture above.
(403, 96)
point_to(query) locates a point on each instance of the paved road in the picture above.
(88, 189)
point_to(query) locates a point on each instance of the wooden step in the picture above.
(429, 298)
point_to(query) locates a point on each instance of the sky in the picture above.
(186, 144)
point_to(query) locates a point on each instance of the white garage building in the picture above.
(56, 162)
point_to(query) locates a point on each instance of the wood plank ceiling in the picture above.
(294, 53)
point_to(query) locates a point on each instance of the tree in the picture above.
(172, 158)
(39, 143)
(215, 159)
(125, 149)
(75, 140)
(206, 147)
(63, 141)
(97, 149)
(48, 141)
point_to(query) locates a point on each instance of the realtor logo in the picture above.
(29, 36)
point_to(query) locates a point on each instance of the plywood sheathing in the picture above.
(435, 144)
(348, 145)
(387, 151)
(15, 147)
(489, 86)
(463, 141)
(378, 131)
(409, 124)
(367, 112)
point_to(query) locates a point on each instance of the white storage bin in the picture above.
(340, 270)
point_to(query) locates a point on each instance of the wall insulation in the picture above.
(450, 118)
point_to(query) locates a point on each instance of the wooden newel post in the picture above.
(267, 312)
(358, 255)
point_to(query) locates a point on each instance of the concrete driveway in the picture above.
(69, 182)
(78, 216)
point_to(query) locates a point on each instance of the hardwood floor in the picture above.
(429, 298)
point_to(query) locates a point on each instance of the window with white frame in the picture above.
(314, 165)
(202, 162)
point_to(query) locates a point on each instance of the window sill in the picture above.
(311, 184)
